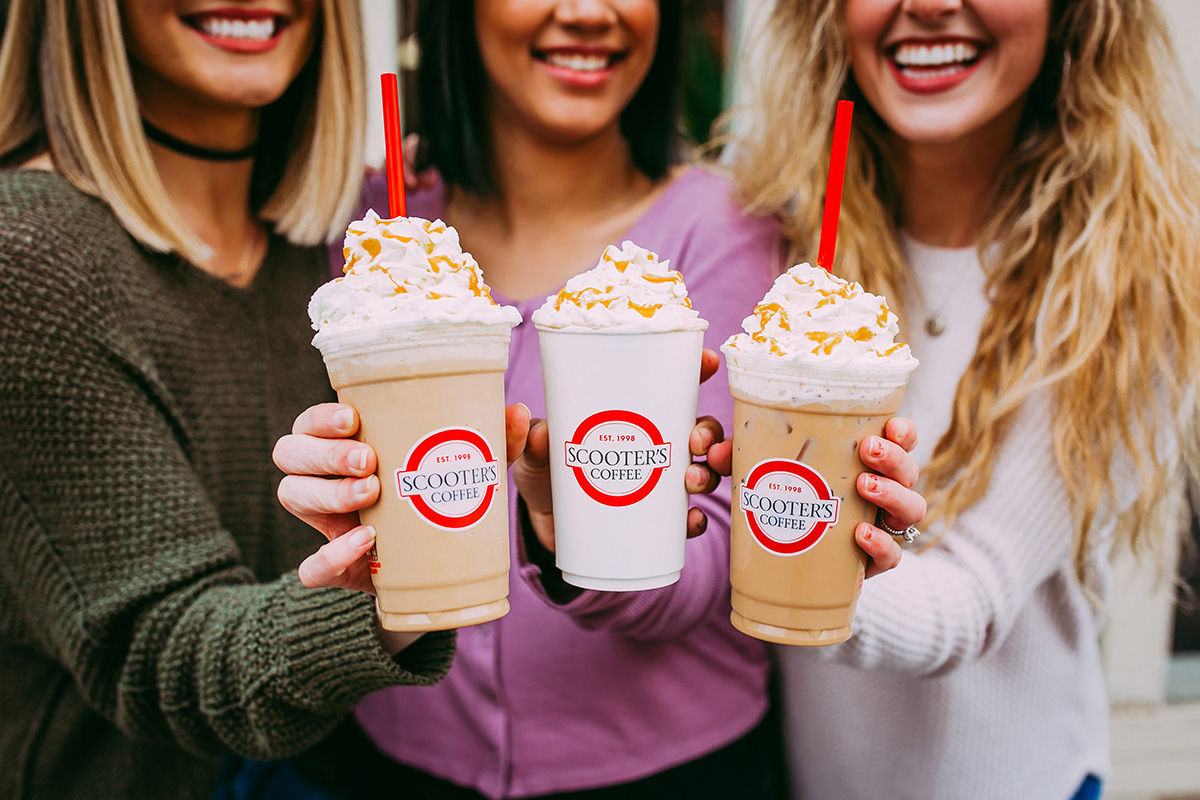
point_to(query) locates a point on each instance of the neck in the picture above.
(947, 188)
(540, 184)
(212, 197)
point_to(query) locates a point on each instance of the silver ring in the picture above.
(910, 533)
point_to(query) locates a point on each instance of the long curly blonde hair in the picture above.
(1095, 277)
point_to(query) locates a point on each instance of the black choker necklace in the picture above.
(196, 151)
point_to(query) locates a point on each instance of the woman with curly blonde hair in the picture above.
(1024, 177)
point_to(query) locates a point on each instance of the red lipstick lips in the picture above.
(928, 66)
(239, 30)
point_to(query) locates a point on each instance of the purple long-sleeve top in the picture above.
(609, 687)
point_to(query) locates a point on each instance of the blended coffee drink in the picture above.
(817, 370)
(413, 340)
(620, 351)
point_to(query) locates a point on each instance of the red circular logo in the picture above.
(617, 457)
(450, 478)
(788, 506)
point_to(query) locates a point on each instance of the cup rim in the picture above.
(421, 334)
(768, 365)
(579, 331)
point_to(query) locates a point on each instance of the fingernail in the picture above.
(868, 534)
(704, 523)
(363, 485)
(876, 446)
(343, 419)
(872, 485)
(362, 536)
(358, 459)
(527, 411)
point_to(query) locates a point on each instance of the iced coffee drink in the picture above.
(816, 371)
(621, 351)
(413, 340)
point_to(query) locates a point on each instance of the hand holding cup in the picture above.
(330, 477)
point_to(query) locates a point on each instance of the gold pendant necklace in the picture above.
(246, 259)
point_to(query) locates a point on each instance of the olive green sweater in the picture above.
(145, 628)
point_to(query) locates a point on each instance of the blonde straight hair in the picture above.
(68, 92)
(1095, 278)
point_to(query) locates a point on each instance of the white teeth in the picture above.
(578, 62)
(919, 55)
(251, 30)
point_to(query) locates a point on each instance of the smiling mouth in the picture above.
(220, 26)
(579, 62)
(935, 60)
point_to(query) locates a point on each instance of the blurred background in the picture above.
(1152, 645)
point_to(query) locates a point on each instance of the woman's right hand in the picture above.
(331, 477)
(416, 181)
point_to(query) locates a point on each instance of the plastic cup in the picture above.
(795, 568)
(620, 408)
(431, 403)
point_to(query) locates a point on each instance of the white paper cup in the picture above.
(620, 408)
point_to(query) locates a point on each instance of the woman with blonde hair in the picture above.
(1024, 175)
(168, 174)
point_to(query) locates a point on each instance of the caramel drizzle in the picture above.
(825, 341)
(602, 298)
(374, 247)
(765, 313)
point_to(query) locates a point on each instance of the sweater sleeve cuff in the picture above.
(333, 656)
(537, 565)
(538, 570)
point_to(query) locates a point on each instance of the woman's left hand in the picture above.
(890, 489)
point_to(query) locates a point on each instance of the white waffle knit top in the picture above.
(974, 668)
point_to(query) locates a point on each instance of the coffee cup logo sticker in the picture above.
(617, 457)
(788, 506)
(450, 478)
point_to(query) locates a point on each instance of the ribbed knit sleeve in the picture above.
(956, 602)
(116, 557)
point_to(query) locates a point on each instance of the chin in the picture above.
(566, 135)
(931, 127)
(242, 91)
(573, 124)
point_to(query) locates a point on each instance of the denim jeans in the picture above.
(1089, 789)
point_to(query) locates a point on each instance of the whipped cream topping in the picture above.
(814, 316)
(404, 271)
(630, 291)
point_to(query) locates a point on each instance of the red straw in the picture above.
(395, 151)
(833, 189)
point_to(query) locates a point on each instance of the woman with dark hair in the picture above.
(553, 128)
